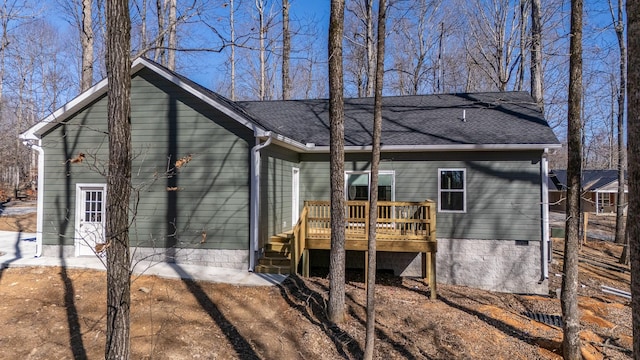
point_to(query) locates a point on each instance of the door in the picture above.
(90, 218)
(295, 196)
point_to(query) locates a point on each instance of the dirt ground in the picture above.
(56, 313)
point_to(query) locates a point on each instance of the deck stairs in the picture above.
(277, 255)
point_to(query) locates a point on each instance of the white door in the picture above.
(295, 196)
(90, 218)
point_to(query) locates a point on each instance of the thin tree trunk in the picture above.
(286, 51)
(570, 311)
(371, 59)
(118, 180)
(336, 306)
(536, 54)
(622, 90)
(232, 25)
(633, 128)
(173, 36)
(373, 189)
(86, 38)
(260, 7)
(159, 52)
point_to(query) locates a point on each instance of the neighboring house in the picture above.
(599, 191)
(214, 179)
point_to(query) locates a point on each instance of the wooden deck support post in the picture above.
(305, 263)
(432, 275)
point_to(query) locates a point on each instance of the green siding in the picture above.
(503, 189)
(276, 190)
(167, 124)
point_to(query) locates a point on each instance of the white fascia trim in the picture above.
(101, 88)
(198, 94)
(422, 148)
(65, 111)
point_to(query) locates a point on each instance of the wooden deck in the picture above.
(400, 227)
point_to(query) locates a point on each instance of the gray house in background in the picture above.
(215, 179)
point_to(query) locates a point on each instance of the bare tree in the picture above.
(173, 35)
(373, 189)
(570, 311)
(286, 51)
(492, 40)
(618, 22)
(633, 125)
(536, 54)
(86, 39)
(336, 306)
(118, 180)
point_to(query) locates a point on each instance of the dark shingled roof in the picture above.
(591, 179)
(499, 118)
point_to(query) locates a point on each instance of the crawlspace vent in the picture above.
(554, 320)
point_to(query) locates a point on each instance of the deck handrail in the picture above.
(401, 226)
(399, 220)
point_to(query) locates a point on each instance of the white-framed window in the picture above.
(452, 190)
(357, 185)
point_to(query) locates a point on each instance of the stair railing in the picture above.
(298, 243)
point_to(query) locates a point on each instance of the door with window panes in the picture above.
(90, 219)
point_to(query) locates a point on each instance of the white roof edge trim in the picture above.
(414, 148)
(190, 89)
(64, 111)
(100, 88)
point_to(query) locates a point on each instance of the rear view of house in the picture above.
(215, 179)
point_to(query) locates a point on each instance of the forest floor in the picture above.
(58, 313)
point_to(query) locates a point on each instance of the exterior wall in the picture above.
(503, 189)
(173, 209)
(276, 191)
(495, 244)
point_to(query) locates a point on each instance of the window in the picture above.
(357, 186)
(452, 190)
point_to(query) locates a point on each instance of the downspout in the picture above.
(40, 202)
(255, 199)
(545, 214)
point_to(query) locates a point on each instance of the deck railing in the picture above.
(400, 227)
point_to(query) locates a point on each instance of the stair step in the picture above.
(279, 248)
(272, 269)
(280, 239)
(276, 260)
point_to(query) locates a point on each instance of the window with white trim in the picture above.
(357, 185)
(452, 185)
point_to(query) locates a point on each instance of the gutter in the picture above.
(312, 148)
(545, 214)
(255, 197)
(40, 202)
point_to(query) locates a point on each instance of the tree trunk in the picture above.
(373, 189)
(536, 54)
(118, 179)
(619, 27)
(336, 118)
(232, 27)
(286, 51)
(173, 36)
(633, 128)
(261, 30)
(371, 59)
(570, 311)
(158, 55)
(86, 38)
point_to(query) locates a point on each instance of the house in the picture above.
(214, 179)
(599, 191)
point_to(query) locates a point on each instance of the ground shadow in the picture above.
(239, 343)
(311, 305)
